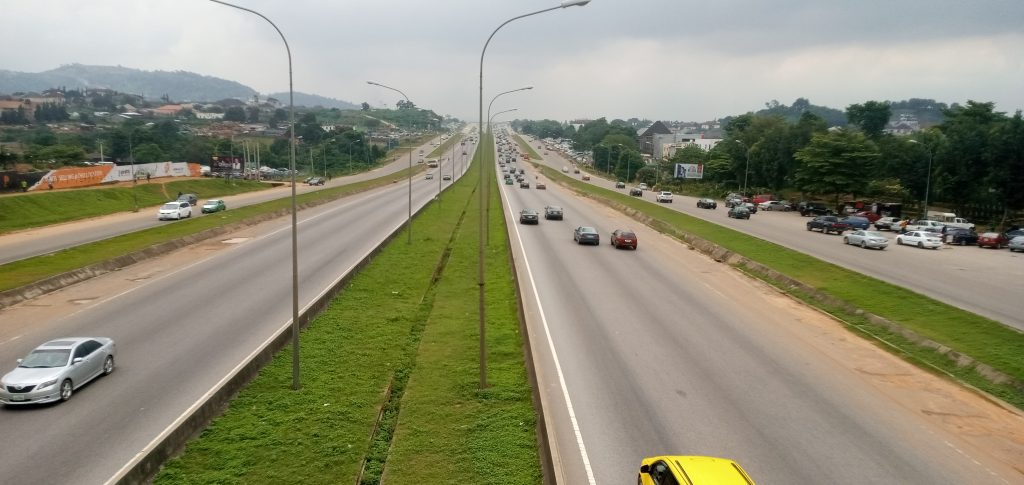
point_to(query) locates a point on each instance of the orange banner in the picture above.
(68, 177)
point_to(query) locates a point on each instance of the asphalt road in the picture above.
(181, 324)
(983, 281)
(48, 239)
(663, 351)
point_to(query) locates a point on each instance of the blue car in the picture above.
(856, 222)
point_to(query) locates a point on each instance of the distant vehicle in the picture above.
(731, 202)
(529, 216)
(925, 225)
(623, 238)
(950, 219)
(707, 204)
(565, 169)
(192, 199)
(827, 224)
(866, 239)
(752, 207)
(214, 205)
(856, 222)
(993, 240)
(446, 177)
(812, 208)
(739, 212)
(586, 177)
(524, 184)
(691, 470)
(643, 186)
(553, 212)
(921, 239)
(664, 196)
(316, 181)
(620, 185)
(55, 369)
(541, 186)
(773, 205)
(586, 235)
(888, 224)
(174, 210)
(509, 181)
(870, 216)
(960, 236)
(429, 176)
(575, 170)
(1016, 244)
(762, 198)
(637, 191)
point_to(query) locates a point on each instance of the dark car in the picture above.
(994, 240)
(541, 186)
(752, 207)
(623, 238)
(586, 235)
(707, 204)
(960, 236)
(553, 212)
(827, 224)
(192, 199)
(524, 184)
(739, 212)
(857, 222)
(315, 181)
(637, 191)
(529, 216)
(812, 208)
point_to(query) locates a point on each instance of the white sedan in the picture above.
(866, 239)
(55, 369)
(920, 239)
(175, 210)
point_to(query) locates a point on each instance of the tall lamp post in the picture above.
(928, 179)
(296, 383)
(408, 221)
(746, 169)
(496, 97)
(483, 168)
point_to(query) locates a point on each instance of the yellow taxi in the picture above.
(691, 470)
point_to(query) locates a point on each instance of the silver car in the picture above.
(866, 239)
(54, 370)
(1016, 244)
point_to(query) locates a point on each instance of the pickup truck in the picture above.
(827, 224)
(925, 225)
(950, 219)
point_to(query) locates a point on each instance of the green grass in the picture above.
(400, 320)
(983, 339)
(26, 271)
(440, 150)
(450, 431)
(37, 209)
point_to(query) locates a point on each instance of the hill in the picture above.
(313, 100)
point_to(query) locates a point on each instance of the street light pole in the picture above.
(746, 169)
(483, 169)
(408, 222)
(928, 179)
(296, 383)
(496, 97)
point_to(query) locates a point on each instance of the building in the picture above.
(167, 110)
(668, 150)
(645, 137)
(12, 105)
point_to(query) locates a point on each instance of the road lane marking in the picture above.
(554, 354)
(12, 339)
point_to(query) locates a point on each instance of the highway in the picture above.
(983, 281)
(44, 240)
(663, 351)
(181, 323)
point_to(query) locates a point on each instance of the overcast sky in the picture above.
(656, 59)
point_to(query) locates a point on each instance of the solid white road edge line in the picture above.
(554, 355)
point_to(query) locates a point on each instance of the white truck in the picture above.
(925, 225)
(950, 219)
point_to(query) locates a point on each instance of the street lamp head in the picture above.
(373, 83)
(574, 3)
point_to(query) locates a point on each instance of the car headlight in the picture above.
(46, 384)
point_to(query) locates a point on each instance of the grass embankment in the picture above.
(441, 149)
(983, 339)
(37, 209)
(408, 318)
(26, 271)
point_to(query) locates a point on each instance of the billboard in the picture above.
(225, 164)
(689, 171)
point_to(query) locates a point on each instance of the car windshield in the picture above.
(171, 206)
(626, 234)
(554, 209)
(873, 234)
(46, 358)
(587, 230)
(212, 202)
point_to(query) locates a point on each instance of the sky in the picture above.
(653, 59)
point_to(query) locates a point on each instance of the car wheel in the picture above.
(808, 227)
(863, 245)
(920, 245)
(899, 242)
(66, 390)
(108, 365)
(961, 242)
(845, 240)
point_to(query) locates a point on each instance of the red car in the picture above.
(870, 216)
(623, 238)
(993, 240)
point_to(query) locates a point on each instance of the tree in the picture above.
(871, 117)
(1007, 154)
(405, 105)
(833, 163)
(365, 106)
(235, 113)
(253, 114)
(962, 166)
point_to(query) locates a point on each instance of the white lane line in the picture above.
(12, 339)
(554, 355)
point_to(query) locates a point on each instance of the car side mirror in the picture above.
(645, 468)
(76, 360)
(19, 361)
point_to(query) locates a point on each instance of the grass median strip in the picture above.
(371, 336)
(982, 339)
(27, 271)
(38, 209)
